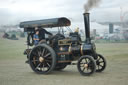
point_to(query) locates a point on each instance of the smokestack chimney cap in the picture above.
(86, 13)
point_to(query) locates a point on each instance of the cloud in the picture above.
(14, 11)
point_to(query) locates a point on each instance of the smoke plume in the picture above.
(91, 4)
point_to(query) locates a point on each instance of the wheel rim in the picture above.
(86, 65)
(41, 59)
(100, 63)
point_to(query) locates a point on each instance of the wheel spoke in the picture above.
(83, 68)
(34, 53)
(47, 55)
(100, 65)
(87, 69)
(101, 61)
(39, 49)
(82, 63)
(39, 53)
(98, 59)
(43, 52)
(48, 64)
(43, 67)
(38, 65)
(34, 60)
(48, 60)
(86, 61)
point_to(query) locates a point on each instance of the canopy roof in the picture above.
(46, 23)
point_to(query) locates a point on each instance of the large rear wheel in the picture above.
(86, 65)
(42, 59)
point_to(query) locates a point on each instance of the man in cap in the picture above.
(42, 33)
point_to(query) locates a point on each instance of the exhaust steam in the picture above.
(91, 4)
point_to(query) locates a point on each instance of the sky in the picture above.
(15, 11)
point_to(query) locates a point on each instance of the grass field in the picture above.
(14, 71)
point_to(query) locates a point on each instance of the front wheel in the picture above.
(86, 65)
(100, 63)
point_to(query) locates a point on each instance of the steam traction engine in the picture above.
(59, 51)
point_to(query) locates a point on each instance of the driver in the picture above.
(42, 33)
